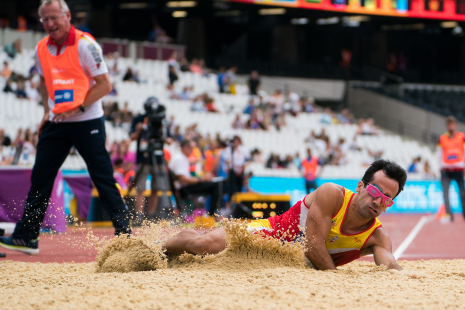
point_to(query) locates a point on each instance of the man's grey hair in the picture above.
(63, 5)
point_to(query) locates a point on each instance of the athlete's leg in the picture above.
(458, 177)
(445, 181)
(191, 241)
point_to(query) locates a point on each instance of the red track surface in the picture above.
(434, 241)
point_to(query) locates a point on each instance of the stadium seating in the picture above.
(442, 99)
(287, 141)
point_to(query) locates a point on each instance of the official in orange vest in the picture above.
(310, 169)
(451, 153)
(73, 80)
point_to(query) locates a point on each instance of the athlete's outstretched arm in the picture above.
(193, 242)
(382, 250)
(324, 202)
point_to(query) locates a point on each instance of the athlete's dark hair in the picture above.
(390, 168)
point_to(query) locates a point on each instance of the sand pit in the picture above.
(248, 275)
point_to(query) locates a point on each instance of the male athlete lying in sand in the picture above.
(340, 226)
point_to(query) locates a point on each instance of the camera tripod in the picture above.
(155, 152)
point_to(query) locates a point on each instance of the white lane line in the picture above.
(405, 244)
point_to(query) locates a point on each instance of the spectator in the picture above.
(171, 126)
(246, 185)
(198, 104)
(221, 79)
(236, 157)
(238, 124)
(280, 121)
(254, 83)
(297, 161)
(163, 37)
(6, 72)
(231, 79)
(118, 173)
(172, 75)
(256, 121)
(272, 162)
(414, 166)
(210, 105)
(129, 76)
(4, 139)
(172, 94)
(21, 90)
(322, 135)
(212, 159)
(123, 153)
(257, 156)
(113, 63)
(353, 146)
(294, 100)
(343, 117)
(184, 65)
(194, 158)
(309, 105)
(177, 134)
(32, 86)
(203, 67)
(33, 70)
(13, 48)
(326, 116)
(427, 173)
(173, 61)
(189, 185)
(367, 127)
(195, 66)
(186, 93)
(276, 102)
(114, 91)
(250, 107)
(8, 88)
(153, 35)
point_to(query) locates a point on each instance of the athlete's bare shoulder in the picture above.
(328, 196)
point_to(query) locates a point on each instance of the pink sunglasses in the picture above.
(374, 192)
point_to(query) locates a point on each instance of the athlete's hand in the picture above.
(62, 116)
(42, 124)
(406, 273)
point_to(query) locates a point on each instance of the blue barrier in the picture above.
(417, 196)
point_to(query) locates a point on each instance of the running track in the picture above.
(433, 241)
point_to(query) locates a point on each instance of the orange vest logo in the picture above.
(333, 239)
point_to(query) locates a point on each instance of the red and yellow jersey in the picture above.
(343, 248)
(452, 150)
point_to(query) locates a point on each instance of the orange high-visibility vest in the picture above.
(452, 150)
(210, 158)
(310, 167)
(196, 154)
(66, 82)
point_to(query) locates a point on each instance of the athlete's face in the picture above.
(56, 23)
(370, 207)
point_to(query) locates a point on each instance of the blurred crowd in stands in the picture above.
(23, 87)
(18, 151)
(262, 112)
